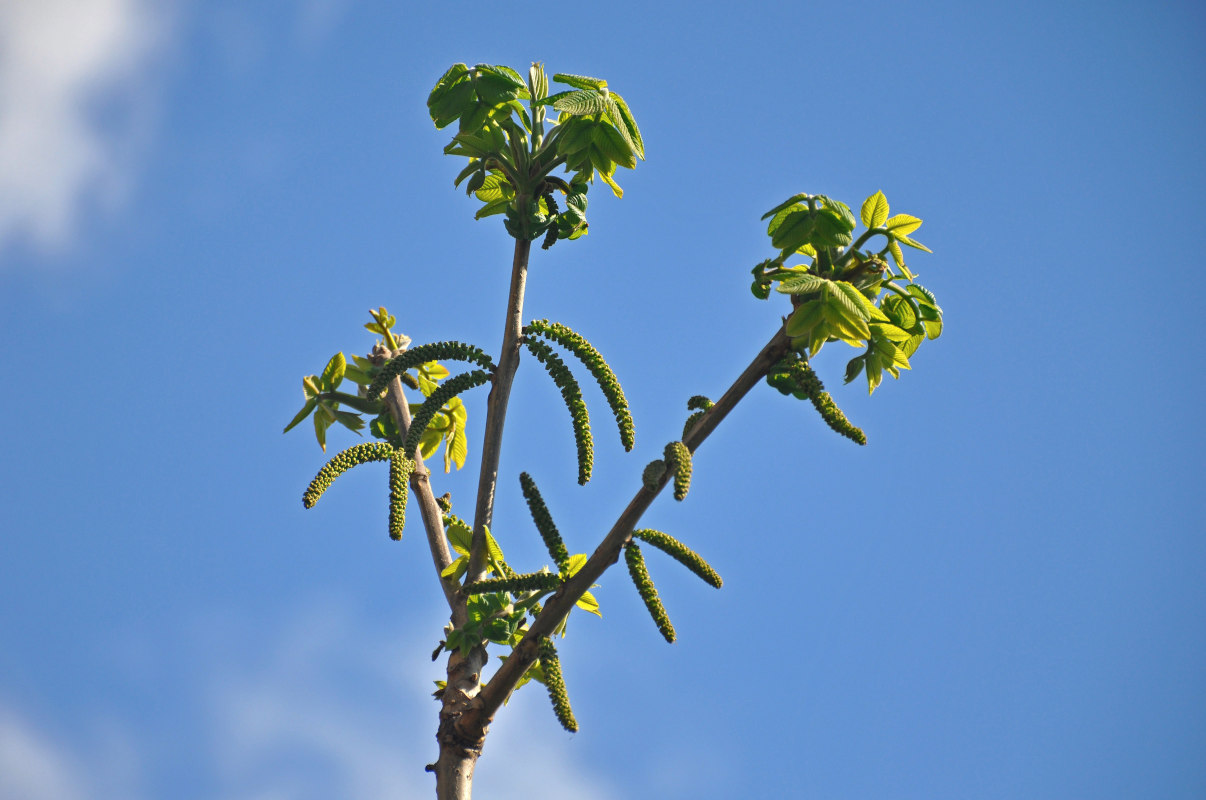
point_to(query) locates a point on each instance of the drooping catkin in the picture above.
(529, 582)
(341, 463)
(680, 553)
(448, 390)
(421, 354)
(550, 665)
(544, 523)
(644, 584)
(700, 405)
(678, 458)
(585, 352)
(400, 468)
(571, 393)
(808, 382)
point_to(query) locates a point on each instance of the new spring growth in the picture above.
(341, 463)
(678, 457)
(434, 351)
(700, 405)
(530, 582)
(571, 393)
(585, 352)
(550, 665)
(400, 468)
(811, 385)
(680, 553)
(448, 390)
(544, 523)
(644, 584)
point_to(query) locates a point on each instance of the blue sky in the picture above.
(999, 597)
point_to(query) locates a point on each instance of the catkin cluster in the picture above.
(434, 351)
(341, 463)
(571, 393)
(808, 382)
(678, 457)
(652, 474)
(544, 523)
(680, 553)
(448, 390)
(530, 582)
(550, 665)
(585, 352)
(648, 592)
(400, 468)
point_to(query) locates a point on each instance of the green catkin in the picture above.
(447, 390)
(700, 405)
(653, 473)
(585, 352)
(680, 553)
(550, 665)
(531, 582)
(400, 468)
(544, 523)
(434, 351)
(571, 393)
(341, 463)
(648, 592)
(811, 385)
(550, 238)
(679, 458)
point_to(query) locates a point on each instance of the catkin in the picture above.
(544, 523)
(341, 463)
(652, 475)
(678, 457)
(448, 390)
(550, 665)
(530, 582)
(585, 352)
(700, 405)
(808, 382)
(648, 592)
(571, 393)
(400, 468)
(433, 351)
(680, 553)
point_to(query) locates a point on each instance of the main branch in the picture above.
(496, 410)
(472, 724)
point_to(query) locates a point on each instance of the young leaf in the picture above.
(875, 210)
(902, 225)
(580, 81)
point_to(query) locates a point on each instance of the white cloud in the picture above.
(73, 99)
(323, 709)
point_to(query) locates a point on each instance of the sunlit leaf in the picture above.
(875, 210)
(902, 224)
(305, 412)
(588, 603)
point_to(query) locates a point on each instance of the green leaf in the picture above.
(458, 450)
(913, 243)
(629, 123)
(579, 81)
(891, 332)
(900, 311)
(576, 562)
(332, 374)
(902, 225)
(805, 318)
(456, 569)
(801, 284)
(875, 210)
(843, 212)
(612, 145)
(305, 412)
(460, 536)
(788, 203)
(458, 100)
(933, 328)
(795, 230)
(581, 103)
(588, 603)
(854, 367)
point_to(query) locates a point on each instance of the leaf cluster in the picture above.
(418, 368)
(515, 145)
(846, 291)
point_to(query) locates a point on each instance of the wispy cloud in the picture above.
(73, 95)
(323, 709)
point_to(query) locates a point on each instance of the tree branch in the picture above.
(420, 483)
(473, 723)
(496, 410)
